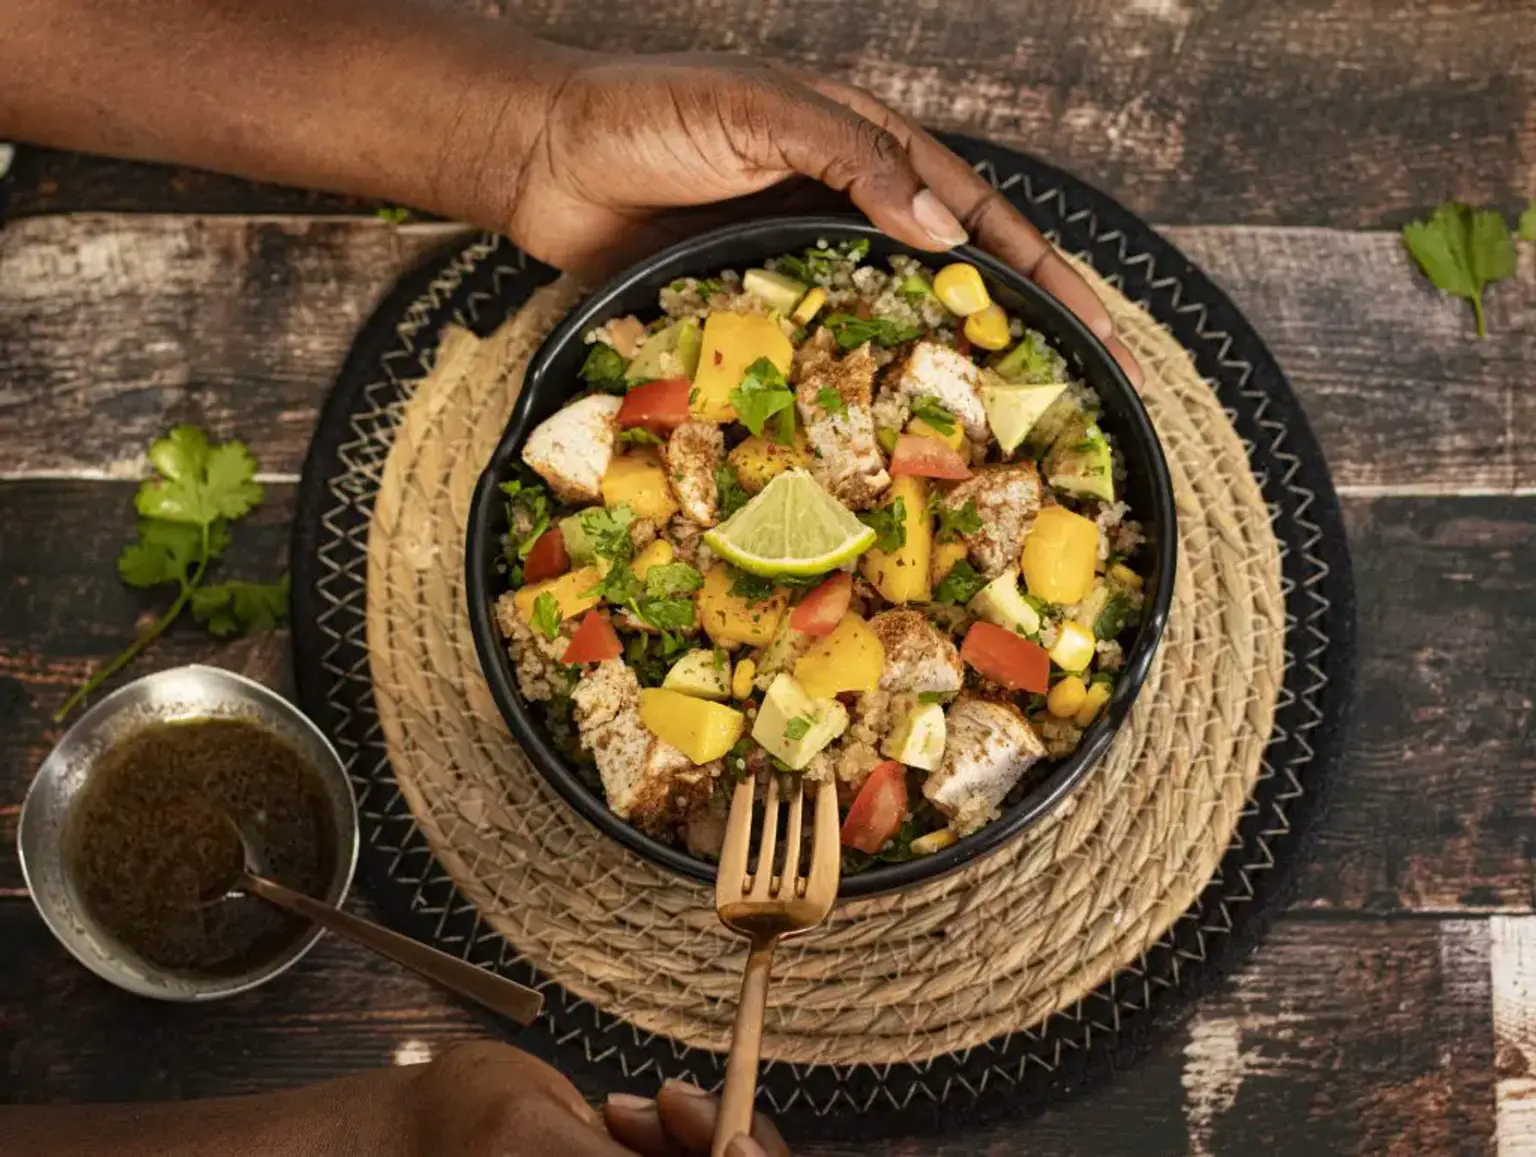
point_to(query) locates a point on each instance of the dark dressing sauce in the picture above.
(148, 846)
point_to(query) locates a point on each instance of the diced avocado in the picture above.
(1092, 606)
(1012, 410)
(1002, 604)
(915, 285)
(918, 738)
(668, 353)
(1032, 362)
(781, 292)
(1079, 463)
(1074, 647)
(701, 673)
(577, 544)
(794, 727)
(1064, 410)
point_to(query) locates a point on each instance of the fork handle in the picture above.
(736, 1102)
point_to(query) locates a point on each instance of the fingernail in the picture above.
(686, 1089)
(628, 1103)
(936, 219)
(744, 1146)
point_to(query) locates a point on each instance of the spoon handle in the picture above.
(495, 992)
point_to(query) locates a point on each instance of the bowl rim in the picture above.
(213, 988)
(1044, 797)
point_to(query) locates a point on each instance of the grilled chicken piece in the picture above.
(988, 747)
(846, 459)
(1007, 499)
(692, 455)
(571, 449)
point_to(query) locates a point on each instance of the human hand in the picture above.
(492, 1100)
(628, 145)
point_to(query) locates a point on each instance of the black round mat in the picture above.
(479, 285)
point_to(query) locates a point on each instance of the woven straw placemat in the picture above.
(993, 949)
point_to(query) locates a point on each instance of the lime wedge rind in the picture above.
(791, 528)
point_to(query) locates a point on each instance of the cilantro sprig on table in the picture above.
(185, 513)
(1463, 250)
(1527, 227)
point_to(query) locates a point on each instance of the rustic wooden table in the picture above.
(1280, 145)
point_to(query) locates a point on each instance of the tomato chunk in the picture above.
(594, 641)
(878, 809)
(926, 457)
(1007, 658)
(820, 611)
(547, 559)
(660, 406)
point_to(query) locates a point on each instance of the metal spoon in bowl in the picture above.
(496, 993)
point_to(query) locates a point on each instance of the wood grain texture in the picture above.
(112, 328)
(1432, 810)
(1512, 959)
(1352, 113)
(1342, 1036)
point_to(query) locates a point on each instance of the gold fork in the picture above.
(766, 907)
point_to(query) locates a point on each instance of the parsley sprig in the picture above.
(185, 512)
(889, 524)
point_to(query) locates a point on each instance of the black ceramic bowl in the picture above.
(552, 379)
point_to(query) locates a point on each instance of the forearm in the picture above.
(366, 1116)
(390, 99)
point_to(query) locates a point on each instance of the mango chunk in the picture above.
(569, 591)
(639, 481)
(851, 658)
(730, 620)
(701, 730)
(732, 342)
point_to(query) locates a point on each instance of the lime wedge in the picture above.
(793, 527)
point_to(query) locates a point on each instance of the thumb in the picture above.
(825, 140)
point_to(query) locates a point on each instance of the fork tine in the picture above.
(762, 880)
(731, 876)
(796, 802)
(826, 861)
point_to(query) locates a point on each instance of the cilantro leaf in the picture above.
(546, 615)
(166, 551)
(761, 395)
(889, 524)
(1462, 250)
(604, 369)
(669, 614)
(960, 585)
(1032, 362)
(1528, 222)
(820, 262)
(620, 586)
(672, 578)
(953, 523)
(1117, 614)
(936, 696)
(638, 436)
(393, 214)
(935, 413)
(797, 728)
(754, 588)
(831, 401)
(852, 332)
(198, 483)
(733, 496)
(915, 287)
(236, 607)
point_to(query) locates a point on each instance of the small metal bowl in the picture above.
(184, 693)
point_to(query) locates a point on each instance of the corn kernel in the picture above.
(1093, 703)
(988, 328)
(933, 842)
(960, 288)
(809, 304)
(1067, 697)
(741, 679)
(1125, 576)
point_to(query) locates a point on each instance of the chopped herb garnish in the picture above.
(935, 413)
(528, 509)
(751, 587)
(707, 287)
(953, 523)
(604, 369)
(831, 401)
(638, 436)
(889, 524)
(1115, 617)
(915, 287)
(762, 395)
(1103, 678)
(960, 585)
(936, 696)
(733, 496)
(798, 727)
(546, 615)
(672, 578)
(720, 658)
(852, 332)
(820, 262)
(394, 214)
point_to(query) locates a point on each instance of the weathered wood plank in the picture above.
(111, 328)
(1432, 811)
(1340, 1036)
(1355, 113)
(1512, 952)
